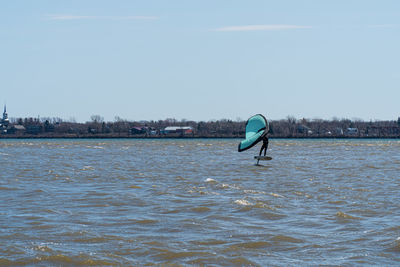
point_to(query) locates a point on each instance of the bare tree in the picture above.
(97, 118)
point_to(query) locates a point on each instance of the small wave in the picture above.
(366, 212)
(262, 205)
(298, 193)
(95, 147)
(40, 226)
(288, 239)
(342, 215)
(337, 202)
(201, 209)
(248, 245)
(226, 186)
(275, 195)
(61, 259)
(5, 262)
(362, 189)
(97, 193)
(371, 167)
(42, 248)
(87, 168)
(394, 228)
(198, 190)
(210, 242)
(395, 246)
(38, 191)
(254, 192)
(272, 216)
(240, 261)
(27, 144)
(146, 221)
(172, 211)
(7, 188)
(243, 202)
(210, 180)
(96, 205)
(93, 240)
(172, 255)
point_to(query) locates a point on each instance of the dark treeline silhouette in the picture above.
(285, 128)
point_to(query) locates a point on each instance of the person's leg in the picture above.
(266, 147)
(262, 147)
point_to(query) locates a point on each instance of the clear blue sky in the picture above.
(200, 60)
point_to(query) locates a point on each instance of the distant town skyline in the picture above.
(200, 60)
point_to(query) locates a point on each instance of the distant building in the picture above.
(19, 127)
(143, 130)
(15, 129)
(138, 130)
(4, 121)
(48, 127)
(34, 129)
(352, 131)
(177, 130)
(339, 131)
(304, 129)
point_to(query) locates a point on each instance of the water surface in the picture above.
(199, 202)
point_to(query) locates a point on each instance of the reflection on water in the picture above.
(199, 202)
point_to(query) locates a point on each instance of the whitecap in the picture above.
(85, 168)
(243, 202)
(275, 195)
(249, 191)
(225, 186)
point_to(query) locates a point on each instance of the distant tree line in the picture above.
(285, 128)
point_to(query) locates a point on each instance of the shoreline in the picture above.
(7, 137)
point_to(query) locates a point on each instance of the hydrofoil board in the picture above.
(262, 157)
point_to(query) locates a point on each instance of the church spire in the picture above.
(5, 116)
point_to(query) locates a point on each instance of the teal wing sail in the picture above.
(256, 128)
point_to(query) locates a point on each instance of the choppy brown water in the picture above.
(199, 202)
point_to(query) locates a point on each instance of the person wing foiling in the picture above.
(257, 128)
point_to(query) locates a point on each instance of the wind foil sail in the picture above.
(256, 128)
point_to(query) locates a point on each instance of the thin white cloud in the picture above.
(77, 17)
(66, 17)
(271, 27)
(387, 26)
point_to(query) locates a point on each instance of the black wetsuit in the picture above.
(264, 146)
